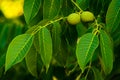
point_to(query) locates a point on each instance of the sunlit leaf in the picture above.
(85, 48)
(45, 43)
(51, 8)
(18, 49)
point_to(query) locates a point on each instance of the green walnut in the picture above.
(87, 16)
(73, 18)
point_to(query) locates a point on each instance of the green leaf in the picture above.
(2, 60)
(32, 29)
(31, 61)
(51, 8)
(4, 35)
(84, 4)
(97, 74)
(95, 8)
(67, 7)
(37, 42)
(44, 22)
(116, 38)
(81, 29)
(18, 30)
(31, 8)
(45, 43)
(56, 37)
(113, 16)
(78, 78)
(85, 48)
(107, 52)
(18, 49)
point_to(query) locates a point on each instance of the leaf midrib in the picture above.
(22, 48)
(89, 47)
(103, 49)
(51, 8)
(115, 17)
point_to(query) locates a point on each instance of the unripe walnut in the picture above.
(73, 18)
(87, 16)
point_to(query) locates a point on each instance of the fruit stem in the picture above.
(51, 22)
(79, 76)
(76, 5)
(40, 27)
(98, 27)
(71, 71)
(89, 67)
